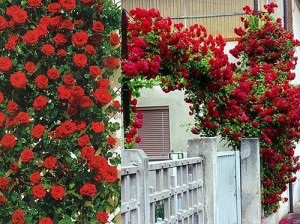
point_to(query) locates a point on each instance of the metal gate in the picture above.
(228, 188)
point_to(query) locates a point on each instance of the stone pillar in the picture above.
(250, 181)
(207, 148)
(138, 158)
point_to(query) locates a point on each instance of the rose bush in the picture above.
(251, 98)
(57, 138)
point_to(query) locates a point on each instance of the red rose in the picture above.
(60, 39)
(80, 60)
(98, 177)
(48, 49)
(42, 30)
(98, 27)
(65, 129)
(64, 92)
(45, 220)
(18, 217)
(102, 96)
(10, 121)
(88, 190)
(11, 43)
(57, 192)
(95, 39)
(1, 97)
(20, 16)
(102, 217)
(10, 10)
(31, 37)
(89, 49)
(2, 118)
(40, 102)
(111, 62)
(87, 152)
(69, 80)
(68, 4)
(38, 191)
(14, 167)
(23, 118)
(5, 64)
(53, 73)
(50, 162)
(8, 141)
(34, 3)
(30, 67)
(41, 81)
(61, 53)
(3, 199)
(35, 177)
(98, 127)
(83, 140)
(55, 21)
(116, 104)
(77, 91)
(114, 39)
(2, 23)
(80, 125)
(98, 162)
(103, 83)
(4, 181)
(18, 80)
(110, 174)
(95, 71)
(38, 131)
(87, 2)
(26, 155)
(85, 102)
(80, 38)
(111, 140)
(67, 24)
(53, 7)
(12, 107)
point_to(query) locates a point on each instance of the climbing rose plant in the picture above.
(250, 98)
(57, 138)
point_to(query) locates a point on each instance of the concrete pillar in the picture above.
(207, 148)
(250, 181)
(138, 158)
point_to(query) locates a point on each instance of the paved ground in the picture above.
(292, 218)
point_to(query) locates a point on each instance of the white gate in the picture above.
(228, 187)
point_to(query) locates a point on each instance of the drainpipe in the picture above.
(255, 6)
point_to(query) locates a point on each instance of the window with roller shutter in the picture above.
(155, 132)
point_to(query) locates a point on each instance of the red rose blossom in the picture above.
(38, 191)
(111, 62)
(12, 107)
(20, 16)
(45, 220)
(30, 67)
(11, 43)
(5, 64)
(85, 102)
(57, 192)
(87, 2)
(95, 71)
(80, 38)
(38, 131)
(98, 127)
(65, 129)
(98, 27)
(18, 80)
(23, 118)
(88, 189)
(80, 60)
(60, 39)
(89, 49)
(4, 181)
(67, 24)
(1, 97)
(35, 177)
(53, 74)
(102, 96)
(18, 217)
(114, 39)
(61, 53)
(50, 162)
(41, 81)
(2, 23)
(111, 140)
(64, 92)
(53, 7)
(26, 155)
(34, 3)
(8, 141)
(48, 49)
(87, 152)
(3, 199)
(40, 103)
(67, 4)
(110, 174)
(83, 140)
(102, 217)
(31, 37)
(2, 118)
(103, 83)
(98, 162)
(69, 80)
(11, 9)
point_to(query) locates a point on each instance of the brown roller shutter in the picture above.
(155, 132)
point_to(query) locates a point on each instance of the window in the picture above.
(155, 132)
